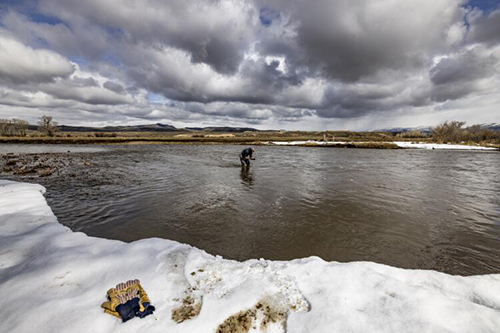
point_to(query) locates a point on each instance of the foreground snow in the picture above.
(53, 280)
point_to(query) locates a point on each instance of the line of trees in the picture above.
(454, 131)
(18, 127)
(13, 127)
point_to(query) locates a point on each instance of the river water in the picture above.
(406, 208)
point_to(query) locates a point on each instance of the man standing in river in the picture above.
(246, 156)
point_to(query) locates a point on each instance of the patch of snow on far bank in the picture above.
(400, 144)
(54, 280)
(309, 142)
(297, 143)
(405, 144)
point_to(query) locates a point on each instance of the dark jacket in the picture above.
(246, 153)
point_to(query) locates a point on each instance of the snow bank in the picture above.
(298, 143)
(53, 280)
(405, 144)
(310, 142)
(400, 144)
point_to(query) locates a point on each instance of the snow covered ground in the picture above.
(54, 280)
(401, 144)
(405, 144)
(300, 143)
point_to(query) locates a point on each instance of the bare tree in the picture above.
(448, 131)
(20, 127)
(13, 127)
(47, 125)
(4, 127)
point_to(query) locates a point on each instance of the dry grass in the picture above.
(376, 140)
(261, 139)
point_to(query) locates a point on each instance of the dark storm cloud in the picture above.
(356, 100)
(253, 60)
(467, 66)
(485, 28)
(214, 32)
(83, 82)
(17, 98)
(113, 86)
(460, 75)
(168, 72)
(77, 38)
(350, 40)
(87, 95)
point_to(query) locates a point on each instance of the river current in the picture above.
(422, 209)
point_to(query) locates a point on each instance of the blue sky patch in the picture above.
(485, 5)
(267, 16)
(79, 60)
(111, 59)
(156, 98)
(40, 18)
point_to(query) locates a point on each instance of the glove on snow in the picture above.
(128, 300)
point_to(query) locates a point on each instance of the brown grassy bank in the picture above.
(337, 139)
(178, 141)
(183, 137)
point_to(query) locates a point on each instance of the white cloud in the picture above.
(20, 64)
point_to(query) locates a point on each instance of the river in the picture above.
(422, 209)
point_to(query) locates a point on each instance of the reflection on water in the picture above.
(40, 148)
(246, 176)
(413, 209)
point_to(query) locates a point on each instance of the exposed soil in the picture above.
(189, 308)
(260, 315)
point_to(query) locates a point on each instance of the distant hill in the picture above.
(404, 129)
(223, 129)
(158, 127)
(427, 130)
(134, 128)
(141, 128)
(494, 127)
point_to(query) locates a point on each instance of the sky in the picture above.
(274, 64)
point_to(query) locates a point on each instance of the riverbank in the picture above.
(35, 165)
(54, 279)
(374, 142)
(198, 140)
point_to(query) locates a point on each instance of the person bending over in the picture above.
(246, 156)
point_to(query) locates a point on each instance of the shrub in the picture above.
(412, 134)
(105, 135)
(453, 132)
(448, 131)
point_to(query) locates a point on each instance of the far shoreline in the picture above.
(205, 140)
(296, 141)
